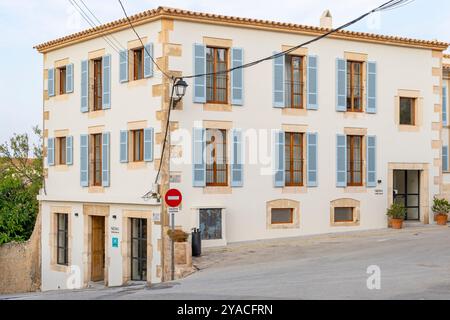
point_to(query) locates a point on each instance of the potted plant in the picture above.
(397, 214)
(441, 208)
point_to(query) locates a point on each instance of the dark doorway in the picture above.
(139, 249)
(407, 192)
(98, 249)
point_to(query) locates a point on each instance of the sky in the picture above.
(26, 23)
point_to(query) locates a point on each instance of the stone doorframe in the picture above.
(423, 168)
(88, 212)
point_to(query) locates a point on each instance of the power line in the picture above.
(148, 53)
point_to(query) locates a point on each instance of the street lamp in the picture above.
(180, 90)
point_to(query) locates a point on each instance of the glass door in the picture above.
(407, 192)
(138, 249)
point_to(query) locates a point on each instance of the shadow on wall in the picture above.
(20, 264)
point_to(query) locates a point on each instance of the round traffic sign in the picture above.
(173, 198)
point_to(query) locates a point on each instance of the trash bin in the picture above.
(196, 243)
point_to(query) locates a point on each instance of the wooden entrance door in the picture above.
(98, 249)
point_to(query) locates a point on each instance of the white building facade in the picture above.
(321, 140)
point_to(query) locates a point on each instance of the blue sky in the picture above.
(26, 23)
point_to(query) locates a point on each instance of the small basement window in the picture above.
(282, 216)
(344, 214)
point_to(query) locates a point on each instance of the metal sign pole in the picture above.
(173, 246)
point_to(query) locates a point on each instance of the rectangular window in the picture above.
(98, 85)
(216, 85)
(355, 161)
(138, 145)
(407, 111)
(138, 249)
(295, 85)
(294, 159)
(62, 239)
(211, 224)
(61, 145)
(62, 80)
(282, 216)
(138, 64)
(216, 158)
(97, 160)
(354, 86)
(343, 214)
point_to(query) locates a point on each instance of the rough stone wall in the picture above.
(20, 264)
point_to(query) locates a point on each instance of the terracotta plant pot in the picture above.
(442, 219)
(397, 224)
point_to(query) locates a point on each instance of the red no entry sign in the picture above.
(173, 198)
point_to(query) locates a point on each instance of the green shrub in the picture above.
(396, 211)
(440, 206)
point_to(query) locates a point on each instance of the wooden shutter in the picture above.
(105, 159)
(341, 157)
(148, 144)
(106, 82)
(124, 146)
(51, 151)
(341, 85)
(237, 163)
(148, 63)
(199, 68)
(199, 163)
(444, 106)
(312, 83)
(371, 87)
(51, 82)
(69, 78)
(123, 66)
(445, 158)
(237, 77)
(312, 159)
(279, 82)
(85, 86)
(84, 160)
(279, 159)
(371, 161)
(69, 151)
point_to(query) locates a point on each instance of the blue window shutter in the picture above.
(341, 85)
(51, 82)
(199, 163)
(371, 161)
(148, 144)
(312, 83)
(279, 160)
(199, 68)
(105, 159)
(237, 77)
(148, 63)
(123, 66)
(312, 160)
(444, 106)
(84, 160)
(341, 164)
(279, 82)
(237, 165)
(106, 76)
(69, 151)
(123, 146)
(85, 86)
(69, 78)
(51, 151)
(371, 87)
(445, 158)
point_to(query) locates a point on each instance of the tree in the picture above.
(21, 178)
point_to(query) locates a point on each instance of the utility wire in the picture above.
(140, 39)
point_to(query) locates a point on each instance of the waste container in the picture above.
(196, 243)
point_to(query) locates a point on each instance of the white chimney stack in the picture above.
(326, 20)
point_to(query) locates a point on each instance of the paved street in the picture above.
(414, 263)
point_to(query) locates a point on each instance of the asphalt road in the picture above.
(413, 264)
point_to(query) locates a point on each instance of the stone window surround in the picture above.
(125, 243)
(132, 45)
(131, 126)
(283, 204)
(363, 58)
(54, 211)
(60, 134)
(418, 110)
(359, 132)
(91, 131)
(346, 203)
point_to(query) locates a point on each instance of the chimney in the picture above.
(326, 20)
